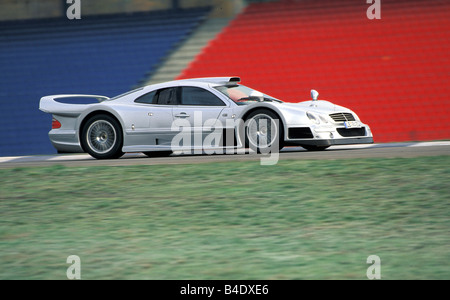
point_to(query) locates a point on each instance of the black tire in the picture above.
(158, 153)
(315, 148)
(253, 139)
(102, 137)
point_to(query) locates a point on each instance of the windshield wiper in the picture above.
(257, 99)
(272, 100)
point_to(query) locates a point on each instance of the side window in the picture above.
(197, 96)
(146, 98)
(168, 96)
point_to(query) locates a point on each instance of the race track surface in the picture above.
(411, 149)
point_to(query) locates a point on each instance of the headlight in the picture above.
(323, 119)
(313, 117)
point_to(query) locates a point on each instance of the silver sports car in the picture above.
(204, 114)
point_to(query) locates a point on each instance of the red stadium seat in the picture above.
(393, 72)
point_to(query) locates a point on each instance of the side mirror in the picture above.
(257, 95)
(314, 95)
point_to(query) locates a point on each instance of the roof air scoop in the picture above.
(314, 95)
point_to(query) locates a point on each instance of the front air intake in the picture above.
(300, 133)
(351, 132)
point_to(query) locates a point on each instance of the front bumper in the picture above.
(331, 142)
(328, 136)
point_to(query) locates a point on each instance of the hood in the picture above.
(319, 106)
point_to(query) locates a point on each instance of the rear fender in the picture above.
(49, 104)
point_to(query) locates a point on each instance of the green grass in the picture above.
(236, 220)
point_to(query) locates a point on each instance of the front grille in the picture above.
(342, 117)
(300, 133)
(352, 132)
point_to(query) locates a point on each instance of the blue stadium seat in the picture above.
(104, 55)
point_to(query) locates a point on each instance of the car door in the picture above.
(199, 107)
(161, 115)
(156, 107)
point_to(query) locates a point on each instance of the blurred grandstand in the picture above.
(393, 72)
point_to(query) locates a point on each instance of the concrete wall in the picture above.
(26, 9)
(222, 8)
(35, 9)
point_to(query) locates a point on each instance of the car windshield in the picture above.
(243, 95)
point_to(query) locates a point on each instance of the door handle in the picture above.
(182, 115)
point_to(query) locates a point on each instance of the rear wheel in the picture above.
(102, 137)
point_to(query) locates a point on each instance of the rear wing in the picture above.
(50, 104)
(218, 80)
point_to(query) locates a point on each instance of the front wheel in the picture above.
(264, 131)
(102, 137)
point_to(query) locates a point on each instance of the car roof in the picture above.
(205, 80)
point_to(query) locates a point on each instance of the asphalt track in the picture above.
(412, 149)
